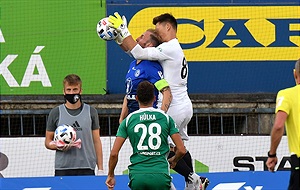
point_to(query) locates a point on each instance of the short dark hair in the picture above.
(72, 79)
(166, 17)
(145, 92)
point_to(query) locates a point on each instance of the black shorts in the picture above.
(294, 179)
(74, 172)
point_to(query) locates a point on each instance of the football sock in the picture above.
(188, 160)
(181, 167)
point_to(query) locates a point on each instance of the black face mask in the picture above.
(72, 98)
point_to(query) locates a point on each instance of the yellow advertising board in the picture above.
(231, 33)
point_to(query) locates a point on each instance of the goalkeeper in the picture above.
(170, 55)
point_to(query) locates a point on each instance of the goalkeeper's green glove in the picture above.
(120, 24)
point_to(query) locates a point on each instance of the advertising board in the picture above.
(218, 181)
(28, 157)
(43, 41)
(230, 48)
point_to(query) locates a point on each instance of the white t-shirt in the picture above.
(175, 67)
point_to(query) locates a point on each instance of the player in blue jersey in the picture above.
(141, 70)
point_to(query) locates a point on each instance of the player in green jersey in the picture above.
(148, 130)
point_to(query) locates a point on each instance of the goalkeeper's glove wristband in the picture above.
(124, 32)
(119, 39)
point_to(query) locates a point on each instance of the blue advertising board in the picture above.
(231, 46)
(218, 181)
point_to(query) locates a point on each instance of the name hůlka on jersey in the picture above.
(147, 117)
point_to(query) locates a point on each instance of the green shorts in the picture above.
(149, 181)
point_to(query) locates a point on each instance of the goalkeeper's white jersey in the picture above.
(175, 67)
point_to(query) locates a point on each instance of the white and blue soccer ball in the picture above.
(104, 31)
(65, 133)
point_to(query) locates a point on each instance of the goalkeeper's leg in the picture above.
(185, 168)
(188, 160)
(182, 167)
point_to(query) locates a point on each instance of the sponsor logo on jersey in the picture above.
(76, 126)
(137, 73)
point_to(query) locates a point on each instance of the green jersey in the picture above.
(148, 130)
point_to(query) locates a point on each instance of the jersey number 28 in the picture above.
(151, 138)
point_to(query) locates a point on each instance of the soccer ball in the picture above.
(65, 133)
(104, 31)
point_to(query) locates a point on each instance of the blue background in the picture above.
(206, 77)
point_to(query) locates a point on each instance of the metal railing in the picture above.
(217, 121)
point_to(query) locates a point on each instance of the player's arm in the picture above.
(97, 140)
(124, 111)
(49, 137)
(50, 128)
(98, 148)
(277, 130)
(113, 160)
(128, 44)
(167, 98)
(114, 154)
(180, 150)
(163, 86)
(276, 135)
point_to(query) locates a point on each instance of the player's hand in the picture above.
(65, 147)
(110, 182)
(120, 24)
(271, 163)
(172, 162)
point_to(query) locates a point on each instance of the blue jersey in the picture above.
(151, 71)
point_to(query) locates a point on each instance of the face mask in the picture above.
(72, 98)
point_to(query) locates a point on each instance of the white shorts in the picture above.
(182, 114)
